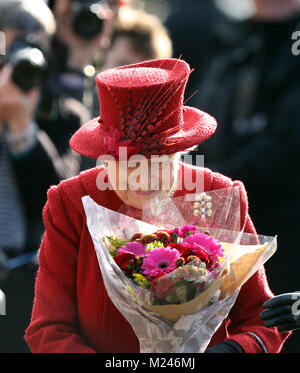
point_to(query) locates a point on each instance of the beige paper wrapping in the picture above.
(240, 270)
(230, 280)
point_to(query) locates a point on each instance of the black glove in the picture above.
(227, 347)
(282, 311)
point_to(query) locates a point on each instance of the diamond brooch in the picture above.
(203, 205)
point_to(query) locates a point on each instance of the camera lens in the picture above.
(28, 68)
(26, 76)
(86, 20)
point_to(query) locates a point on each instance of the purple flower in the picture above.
(135, 248)
(176, 231)
(186, 229)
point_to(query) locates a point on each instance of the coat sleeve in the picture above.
(245, 327)
(53, 327)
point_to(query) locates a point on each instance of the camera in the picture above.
(28, 64)
(87, 21)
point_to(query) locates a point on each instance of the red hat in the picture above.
(142, 109)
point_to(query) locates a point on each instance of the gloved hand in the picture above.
(226, 347)
(282, 311)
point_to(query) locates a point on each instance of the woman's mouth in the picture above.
(144, 192)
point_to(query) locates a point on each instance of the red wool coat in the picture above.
(72, 311)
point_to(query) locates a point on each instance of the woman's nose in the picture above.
(147, 181)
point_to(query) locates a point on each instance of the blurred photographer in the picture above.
(21, 144)
(78, 48)
(137, 36)
(84, 29)
(34, 154)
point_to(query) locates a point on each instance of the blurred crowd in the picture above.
(246, 75)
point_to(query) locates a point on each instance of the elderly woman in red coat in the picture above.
(142, 111)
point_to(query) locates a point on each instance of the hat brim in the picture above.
(197, 127)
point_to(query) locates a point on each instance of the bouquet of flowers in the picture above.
(174, 265)
(175, 284)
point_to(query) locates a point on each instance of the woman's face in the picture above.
(139, 183)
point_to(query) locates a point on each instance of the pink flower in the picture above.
(206, 243)
(186, 229)
(160, 260)
(135, 248)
